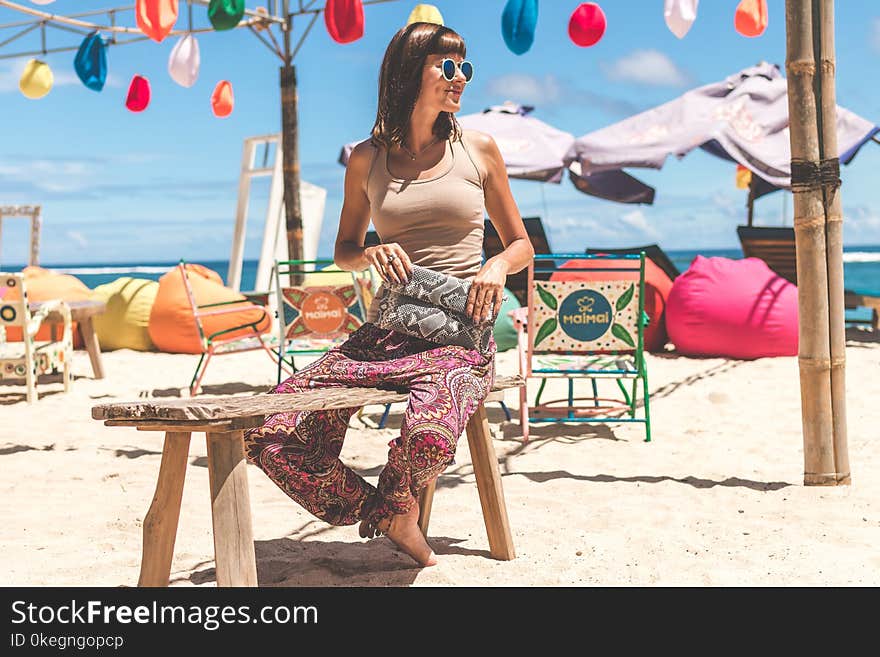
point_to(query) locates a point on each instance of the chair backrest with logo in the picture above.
(321, 311)
(601, 313)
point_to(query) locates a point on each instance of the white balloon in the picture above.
(183, 63)
(680, 15)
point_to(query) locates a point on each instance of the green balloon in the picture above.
(225, 14)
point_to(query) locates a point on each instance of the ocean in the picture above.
(861, 269)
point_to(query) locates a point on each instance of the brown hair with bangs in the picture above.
(400, 81)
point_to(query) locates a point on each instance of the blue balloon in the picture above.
(518, 24)
(90, 62)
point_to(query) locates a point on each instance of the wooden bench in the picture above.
(224, 420)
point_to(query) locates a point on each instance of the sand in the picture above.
(716, 499)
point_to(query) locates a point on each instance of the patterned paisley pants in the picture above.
(300, 451)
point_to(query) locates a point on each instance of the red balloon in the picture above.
(344, 20)
(138, 94)
(751, 18)
(587, 24)
(222, 100)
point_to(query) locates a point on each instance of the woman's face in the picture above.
(437, 92)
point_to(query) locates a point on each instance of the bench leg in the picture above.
(234, 555)
(90, 339)
(160, 523)
(426, 499)
(489, 486)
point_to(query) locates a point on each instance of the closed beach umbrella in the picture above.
(222, 100)
(680, 15)
(425, 14)
(225, 14)
(36, 79)
(750, 18)
(587, 24)
(156, 18)
(138, 94)
(183, 63)
(90, 62)
(518, 23)
(344, 20)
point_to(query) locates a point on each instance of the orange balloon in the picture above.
(751, 17)
(156, 18)
(222, 100)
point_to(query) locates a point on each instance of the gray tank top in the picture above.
(438, 221)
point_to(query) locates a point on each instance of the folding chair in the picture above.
(584, 329)
(246, 336)
(28, 359)
(315, 316)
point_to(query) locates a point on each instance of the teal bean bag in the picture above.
(504, 332)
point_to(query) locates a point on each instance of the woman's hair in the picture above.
(400, 81)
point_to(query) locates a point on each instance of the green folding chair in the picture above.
(584, 322)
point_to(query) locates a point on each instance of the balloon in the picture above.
(183, 63)
(138, 94)
(90, 62)
(42, 2)
(222, 99)
(587, 24)
(518, 24)
(344, 20)
(156, 18)
(751, 18)
(425, 14)
(36, 79)
(680, 15)
(225, 14)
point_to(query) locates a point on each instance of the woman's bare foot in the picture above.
(405, 533)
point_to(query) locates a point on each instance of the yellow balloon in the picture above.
(425, 14)
(36, 80)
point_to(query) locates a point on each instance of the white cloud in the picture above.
(526, 88)
(50, 175)
(636, 219)
(77, 238)
(649, 67)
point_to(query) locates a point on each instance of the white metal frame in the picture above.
(32, 211)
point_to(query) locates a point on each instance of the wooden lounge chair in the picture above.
(775, 245)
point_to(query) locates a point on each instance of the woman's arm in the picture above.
(488, 286)
(349, 252)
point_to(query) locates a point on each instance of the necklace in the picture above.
(412, 155)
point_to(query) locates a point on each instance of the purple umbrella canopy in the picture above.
(743, 118)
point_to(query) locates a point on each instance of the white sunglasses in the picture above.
(448, 67)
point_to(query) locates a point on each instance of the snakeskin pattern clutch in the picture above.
(431, 306)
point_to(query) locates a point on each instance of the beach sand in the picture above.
(717, 498)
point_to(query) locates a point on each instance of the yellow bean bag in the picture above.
(172, 325)
(43, 285)
(124, 324)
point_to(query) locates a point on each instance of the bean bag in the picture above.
(504, 331)
(172, 325)
(43, 285)
(124, 324)
(657, 287)
(734, 308)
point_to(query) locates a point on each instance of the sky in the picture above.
(123, 187)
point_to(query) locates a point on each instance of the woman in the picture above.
(424, 182)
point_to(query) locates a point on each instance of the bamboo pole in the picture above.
(814, 356)
(828, 149)
(290, 151)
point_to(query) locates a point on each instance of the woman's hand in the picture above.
(487, 290)
(391, 261)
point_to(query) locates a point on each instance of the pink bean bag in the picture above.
(733, 308)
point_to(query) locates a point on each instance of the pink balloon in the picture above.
(587, 24)
(138, 94)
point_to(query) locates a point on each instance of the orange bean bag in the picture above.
(43, 285)
(172, 326)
